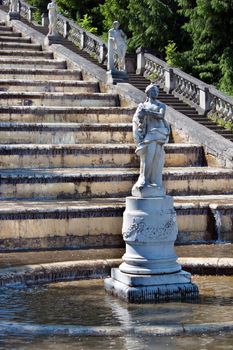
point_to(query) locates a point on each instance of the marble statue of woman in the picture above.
(52, 8)
(151, 132)
(117, 47)
(13, 5)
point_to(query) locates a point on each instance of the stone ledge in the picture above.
(26, 329)
(89, 269)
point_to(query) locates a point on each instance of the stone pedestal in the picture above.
(149, 271)
(53, 39)
(13, 15)
(116, 76)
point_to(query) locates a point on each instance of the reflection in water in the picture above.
(85, 303)
(131, 342)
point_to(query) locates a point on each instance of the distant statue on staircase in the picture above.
(117, 47)
(151, 132)
(52, 8)
(13, 6)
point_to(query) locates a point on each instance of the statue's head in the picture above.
(116, 25)
(152, 91)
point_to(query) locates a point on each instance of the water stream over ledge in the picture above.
(84, 303)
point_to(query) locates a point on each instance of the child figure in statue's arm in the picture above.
(139, 124)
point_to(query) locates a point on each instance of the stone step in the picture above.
(60, 133)
(25, 53)
(59, 99)
(20, 46)
(183, 109)
(40, 74)
(225, 133)
(4, 28)
(48, 114)
(175, 104)
(197, 251)
(98, 223)
(32, 63)
(90, 183)
(12, 39)
(191, 113)
(9, 34)
(220, 214)
(48, 86)
(91, 155)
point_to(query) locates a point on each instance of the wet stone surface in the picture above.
(85, 303)
(204, 342)
(41, 257)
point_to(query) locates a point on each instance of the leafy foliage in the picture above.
(84, 11)
(210, 26)
(148, 23)
(195, 35)
(86, 23)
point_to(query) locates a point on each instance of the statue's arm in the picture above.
(138, 124)
(162, 111)
(124, 36)
(110, 35)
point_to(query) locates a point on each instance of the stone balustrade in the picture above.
(155, 69)
(221, 105)
(83, 39)
(25, 10)
(69, 29)
(205, 98)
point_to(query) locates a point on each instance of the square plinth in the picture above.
(53, 39)
(13, 16)
(151, 288)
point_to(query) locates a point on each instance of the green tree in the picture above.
(148, 23)
(78, 9)
(86, 12)
(41, 5)
(210, 26)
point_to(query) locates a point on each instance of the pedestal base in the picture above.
(115, 76)
(53, 39)
(149, 271)
(13, 15)
(151, 288)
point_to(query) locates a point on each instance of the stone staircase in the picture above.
(141, 82)
(67, 160)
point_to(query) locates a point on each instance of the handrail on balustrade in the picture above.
(85, 40)
(195, 92)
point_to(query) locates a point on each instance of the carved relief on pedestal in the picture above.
(139, 231)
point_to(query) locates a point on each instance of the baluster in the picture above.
(219, 108)
(225, 111)
(65, 29)
(190, 91)
(83, 40)
(182, 86)
(229, 114)
(101, 53)
(30, 14)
